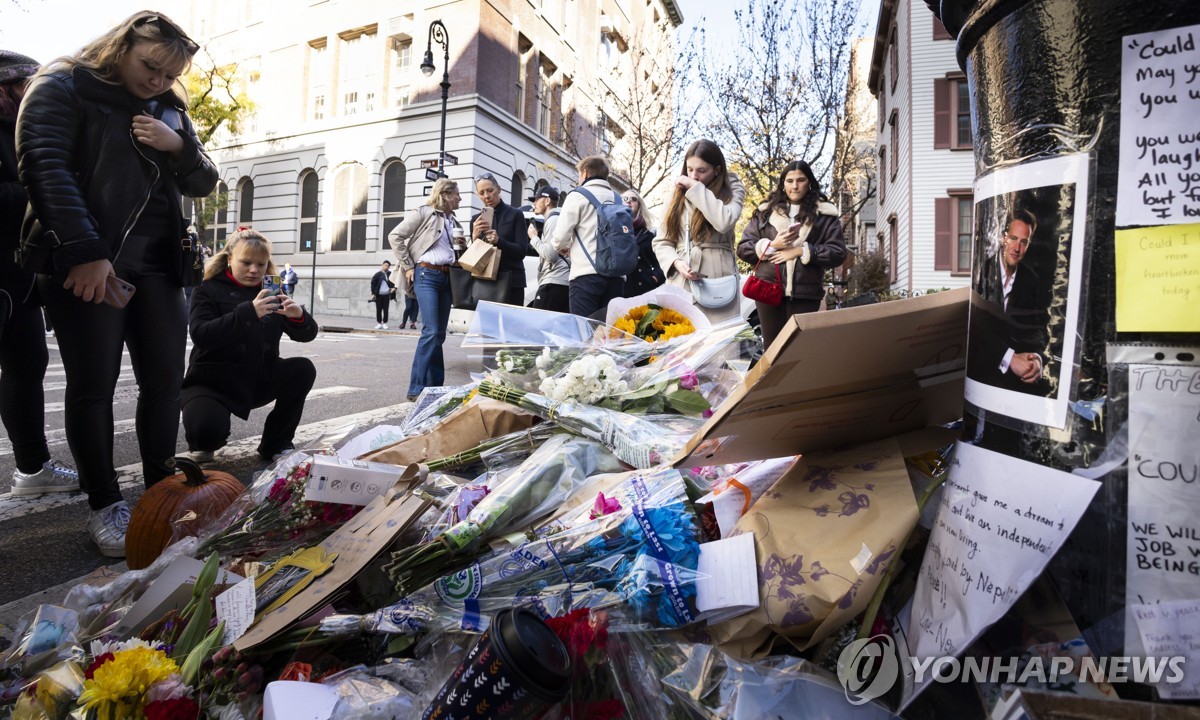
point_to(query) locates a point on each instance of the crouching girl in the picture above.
(235, 366)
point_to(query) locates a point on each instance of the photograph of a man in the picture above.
(1027, 266)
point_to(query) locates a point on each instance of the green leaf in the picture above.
(688, 402)
(648, 391)
(647, 320)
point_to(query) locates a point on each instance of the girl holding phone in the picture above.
(106, 150)
(236, 323)
(798, 235)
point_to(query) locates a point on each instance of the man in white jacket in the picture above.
(576, 228)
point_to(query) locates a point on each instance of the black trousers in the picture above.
(772, 318)
(90, 339)
(590, 293)
(382, 304)
(552, 297)
(412, 308)
(206, 419)
(23, 360)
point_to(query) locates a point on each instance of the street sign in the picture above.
(449, 159)
(430, 163)
(431, 174)
(427, 190)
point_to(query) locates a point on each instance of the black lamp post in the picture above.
(437, 31)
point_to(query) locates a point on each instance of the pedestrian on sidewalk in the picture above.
(695, 245)
(423, 244)
(23, 352)
(106, 149)
(236, 325)
(575, 236)
(412, 308)
(647, 275)
(382, 292)
(289, 278)
(798, 236)
(507, 231)
(554, 270)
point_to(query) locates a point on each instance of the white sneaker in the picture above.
(378, 326)
(54, 477)
(199, 456)
(108, 527)
(384, 326)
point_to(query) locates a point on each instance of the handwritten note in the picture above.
(999, 523)
(1169, 631)
(1158, 279)
(1159, 180)
(235, 607)
(1163, 550)
(727, 581)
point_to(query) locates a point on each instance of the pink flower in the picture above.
(689, 381)
(604, 506)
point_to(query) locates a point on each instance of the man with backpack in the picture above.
(595, 230)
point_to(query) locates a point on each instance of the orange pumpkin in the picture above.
(159, 516)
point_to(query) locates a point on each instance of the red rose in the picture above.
(177, 709)
(100, 660)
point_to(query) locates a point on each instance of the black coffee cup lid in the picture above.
(535, 654)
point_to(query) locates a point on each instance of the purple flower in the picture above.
(688, 380)
(817, 571)
(604, 506)
(853, 502)
(822, 511)
(880, 559)
(820, 478)
(848, 599)
(797, 614)
(870, 487)
(867, 466)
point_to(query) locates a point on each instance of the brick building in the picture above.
(332, 157)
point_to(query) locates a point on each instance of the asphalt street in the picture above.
(362, 377)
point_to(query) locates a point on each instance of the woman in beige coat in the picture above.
(423, 244)
(705, 207)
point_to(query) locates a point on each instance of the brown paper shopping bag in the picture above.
(477, 256)
(824, 536)
(491, 270)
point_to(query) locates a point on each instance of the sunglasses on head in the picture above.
(169, 31)
(487, 176)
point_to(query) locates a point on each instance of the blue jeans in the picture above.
(432, 289)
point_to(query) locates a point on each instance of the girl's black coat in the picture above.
(234, 351)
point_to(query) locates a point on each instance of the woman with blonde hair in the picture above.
(647, 275)
(106, 150)
(695, 244)
(423, 244)
(236, 325)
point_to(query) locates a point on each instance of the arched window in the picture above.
(518, 189)
(216, 216)
(308, 211)
(246, 202)
(393, 199)
(350, 208)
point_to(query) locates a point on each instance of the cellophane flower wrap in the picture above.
(273, 518)
(639, 556)
(637, 441)
(531, 490)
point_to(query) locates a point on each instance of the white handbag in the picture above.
(710, 293)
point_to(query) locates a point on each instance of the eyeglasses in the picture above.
(169, 31)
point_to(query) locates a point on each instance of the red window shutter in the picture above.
(941, 113)
(943, 233)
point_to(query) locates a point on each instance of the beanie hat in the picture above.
(15, 66)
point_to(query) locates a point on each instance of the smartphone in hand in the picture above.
(273, 284)
(487, 215)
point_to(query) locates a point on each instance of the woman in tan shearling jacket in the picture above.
(798, 236)
(706, 205)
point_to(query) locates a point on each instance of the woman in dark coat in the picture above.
(106, 150)
(647, 275)
(507, 231)
(235, 366)
(798, 235)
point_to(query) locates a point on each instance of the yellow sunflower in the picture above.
(626, 324)
(637, 313)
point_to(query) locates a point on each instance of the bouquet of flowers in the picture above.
(588, 379)
(652, 323)
(531, 490)
(636, 441)
(273, 518)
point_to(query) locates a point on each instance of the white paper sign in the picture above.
(235, 607)
(1163, 547)
(1172, 630)
(370, 439)
(1159, 180)
(727, 581)
(999, 523)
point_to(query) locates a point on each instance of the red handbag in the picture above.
(767, 292)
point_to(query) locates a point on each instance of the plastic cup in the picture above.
(516, 669)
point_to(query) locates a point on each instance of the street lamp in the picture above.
(437, 31)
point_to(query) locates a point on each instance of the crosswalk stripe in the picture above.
(131, 475)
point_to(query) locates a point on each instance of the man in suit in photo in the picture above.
(1009, 333)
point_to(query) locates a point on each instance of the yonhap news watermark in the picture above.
(869, 668)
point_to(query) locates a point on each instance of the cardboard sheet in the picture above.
(845, 377)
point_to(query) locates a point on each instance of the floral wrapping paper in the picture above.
(824, 536)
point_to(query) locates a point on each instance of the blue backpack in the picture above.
(616, 243)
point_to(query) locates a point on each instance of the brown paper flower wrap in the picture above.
(824, 536)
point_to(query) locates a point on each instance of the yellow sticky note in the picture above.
(1158, 279)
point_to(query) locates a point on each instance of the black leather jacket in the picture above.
(87, 178)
